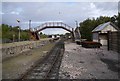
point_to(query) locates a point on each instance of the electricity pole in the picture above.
(29, 24)
(29, 29)
(19, 30)
(13, 35)
(76, 23)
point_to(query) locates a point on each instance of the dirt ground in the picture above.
(88, 63)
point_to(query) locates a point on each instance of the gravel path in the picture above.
(88, 63)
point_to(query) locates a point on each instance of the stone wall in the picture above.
(16, 50)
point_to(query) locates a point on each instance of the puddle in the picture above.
(112, 64)
(81, 62)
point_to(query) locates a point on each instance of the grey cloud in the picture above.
(119, 6)
(107, 6)
(53, 11)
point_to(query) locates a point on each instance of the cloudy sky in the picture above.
(67, 12)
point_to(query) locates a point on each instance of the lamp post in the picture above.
(13, 35)
(29, 29)
(29, 24)
(19, 30)
(76, 23)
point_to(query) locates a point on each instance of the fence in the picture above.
(114, 41)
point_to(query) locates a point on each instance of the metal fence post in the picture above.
(108, 40)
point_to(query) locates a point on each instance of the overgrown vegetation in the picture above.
(9, 33)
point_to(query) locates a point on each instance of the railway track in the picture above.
(48, 68)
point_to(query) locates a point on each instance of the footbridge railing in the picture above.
(53, 25)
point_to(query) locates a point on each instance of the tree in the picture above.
(9, 31)
(42, 35)
(88, 25)
(114, 20)
(24, 34)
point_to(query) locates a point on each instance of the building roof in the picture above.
(102, 26)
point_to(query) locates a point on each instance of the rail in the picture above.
(43, 69)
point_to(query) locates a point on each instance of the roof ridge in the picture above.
(97, 27)
(101, 26)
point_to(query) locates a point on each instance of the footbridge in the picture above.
(34, 32)
(53, 25)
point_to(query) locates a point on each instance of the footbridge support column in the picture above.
(73, 34)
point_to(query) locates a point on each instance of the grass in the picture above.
(18, 65)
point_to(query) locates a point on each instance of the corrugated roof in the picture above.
(101, 26)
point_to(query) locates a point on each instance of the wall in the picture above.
(108, 28)
(95, 37)
(16, 50)
(114, 41)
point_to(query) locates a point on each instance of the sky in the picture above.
(67, 12)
